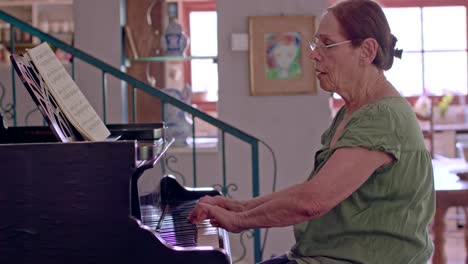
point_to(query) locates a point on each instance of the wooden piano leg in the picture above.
(439, 235)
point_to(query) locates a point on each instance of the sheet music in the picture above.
(69, 97)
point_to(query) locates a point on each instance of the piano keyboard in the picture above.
(170, 222)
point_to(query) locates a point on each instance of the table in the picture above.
(443, 137)
(458, 127)
(450, 191)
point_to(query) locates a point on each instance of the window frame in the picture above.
(187, 8)
(418, 3)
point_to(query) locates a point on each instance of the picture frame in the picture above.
(278, 55)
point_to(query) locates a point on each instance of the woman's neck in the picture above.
(368, 91)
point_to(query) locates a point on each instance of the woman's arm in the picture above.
(241, 205)
(344, 173)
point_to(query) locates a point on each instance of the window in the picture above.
(204, 73)
(434, 43)
(433, 36)
(201, 24)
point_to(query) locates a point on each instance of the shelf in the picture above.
(20, 45)
(35, 2)
(54, 17)
(174, 58)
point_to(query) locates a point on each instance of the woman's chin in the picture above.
(326, 87)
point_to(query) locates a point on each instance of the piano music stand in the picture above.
(46, 103)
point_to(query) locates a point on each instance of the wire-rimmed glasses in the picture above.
(316, 45)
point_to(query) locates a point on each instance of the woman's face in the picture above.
(337, 67)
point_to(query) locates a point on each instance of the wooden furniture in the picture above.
(450, 191)
(147, 41)
(428, 128)
(445, 137)
(460, 128)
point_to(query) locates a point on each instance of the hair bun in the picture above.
(398, 53)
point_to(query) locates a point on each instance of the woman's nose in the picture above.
(314, 55)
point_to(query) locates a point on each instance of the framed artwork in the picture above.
(278, 54)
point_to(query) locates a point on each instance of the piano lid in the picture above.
(149, 132)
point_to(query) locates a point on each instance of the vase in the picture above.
(173, 41)
(178, 125)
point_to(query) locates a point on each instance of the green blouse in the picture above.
(386, 219)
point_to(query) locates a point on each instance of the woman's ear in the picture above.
(369, 48)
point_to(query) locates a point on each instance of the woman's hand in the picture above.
(226, 203)
(217, 215)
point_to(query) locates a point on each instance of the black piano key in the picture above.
(177, 224)
(176, 219)
(175, 230)
(173, 239)
(178, 232)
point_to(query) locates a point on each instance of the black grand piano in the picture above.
(78, 202)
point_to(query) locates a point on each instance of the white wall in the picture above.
(98, 32)
(25, 106)
(291, 125)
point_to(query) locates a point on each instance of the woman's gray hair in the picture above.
(362, 19)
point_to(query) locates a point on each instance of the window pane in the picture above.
(406, 74)
(445, 72)
(405, 24)
(204, 42)
(203, 33)
(205, 78)
(444, 28)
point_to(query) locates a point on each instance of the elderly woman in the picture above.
(371, 194)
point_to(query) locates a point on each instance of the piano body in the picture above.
(78, 203)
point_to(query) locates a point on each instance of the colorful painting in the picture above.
(283, 55)
(278, 55)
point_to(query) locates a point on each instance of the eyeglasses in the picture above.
(316, 45)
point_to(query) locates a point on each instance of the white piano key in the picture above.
(177, 231)
(207, 235)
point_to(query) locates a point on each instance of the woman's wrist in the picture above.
(242, 221)
(236, 205)
(249, 204)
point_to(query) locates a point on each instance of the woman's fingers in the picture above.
(218, 216)
(213, 200)
(223, 202)
(199, 213)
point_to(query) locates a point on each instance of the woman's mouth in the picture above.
(317, 72)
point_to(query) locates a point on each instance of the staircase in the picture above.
(10, 109)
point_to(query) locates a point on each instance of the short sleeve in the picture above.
(328, 133)
(374, 127)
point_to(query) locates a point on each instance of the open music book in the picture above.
(57, 88)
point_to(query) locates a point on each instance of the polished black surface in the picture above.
(70, 203)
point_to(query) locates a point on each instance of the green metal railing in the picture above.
(134, 84)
